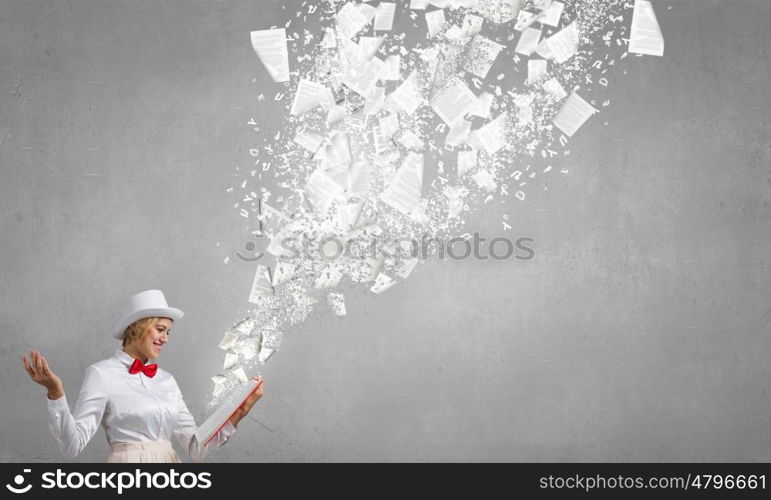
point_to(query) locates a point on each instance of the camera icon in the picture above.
(18, 480)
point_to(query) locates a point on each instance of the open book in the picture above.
(212, 425)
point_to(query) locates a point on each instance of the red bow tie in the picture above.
(148, 370)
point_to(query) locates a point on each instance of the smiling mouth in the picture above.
(157, 346)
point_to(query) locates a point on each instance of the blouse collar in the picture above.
(126, 358)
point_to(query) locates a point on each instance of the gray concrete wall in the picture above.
(640, 331)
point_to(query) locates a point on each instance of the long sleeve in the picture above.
(185, 433)
(73, 430)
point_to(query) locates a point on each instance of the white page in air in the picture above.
(270, 46)
(453, 103)
(384, 16)
(435, 21)
(573, 113)
(406, 188)
(309, 95)
(645, 37)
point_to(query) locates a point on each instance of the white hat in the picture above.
(147, 304)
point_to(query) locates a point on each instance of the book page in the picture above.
(384, 16)
(309, 95)
(406, 188)
(407, 96)
(350, 20)
(492, 136)
(645, 37)
(270, 46)
(563, 44)
(453, 103)
(322, 191)
(536, 69)
(362, 78)
(435, 21)
(573, 114)
(481, 55)
(528, 41)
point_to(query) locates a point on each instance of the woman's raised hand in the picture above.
(38, 369)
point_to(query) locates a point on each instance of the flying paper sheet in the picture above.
(404, 191)
(482, 109)
(261, 285)
(645, 37)
(309, 140)
(367, 11)
(472, 25)
(330, 276)
(455, 199)
(369, 45)
(404, 267)
(391, 70)
(562, 45)
(338, 151)
(227, 342)
(284, 271)
(322, 191)
(481, 55)
(407, 96)
(335, 114)
(573, 114)
(384, 16)
(492, 136)
(382, 283)
(536, 69)
(348, 214)
(418, 4)
(270, 46)
(467, 161)
(350, 20)
(336, 302)
(410, 140)
(363, 77)
(435, 22)
(231, 361)
(524, 20)
(389, 124)
(528, 41)
(553, 87)
(552, 14)
(458, 134)
(309, 95)
(271, 220)
(328, 39)
(484, 180)
(382, 141)
(453, 103)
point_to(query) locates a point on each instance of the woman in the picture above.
(139, 405)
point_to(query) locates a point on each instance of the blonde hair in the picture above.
(138, 329)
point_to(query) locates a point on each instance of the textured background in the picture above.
(638, 332)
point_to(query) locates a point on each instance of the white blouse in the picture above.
(130, 407)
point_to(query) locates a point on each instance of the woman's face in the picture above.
(152, 343)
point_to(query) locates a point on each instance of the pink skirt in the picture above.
(143, 451)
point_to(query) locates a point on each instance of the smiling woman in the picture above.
(139, 405)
